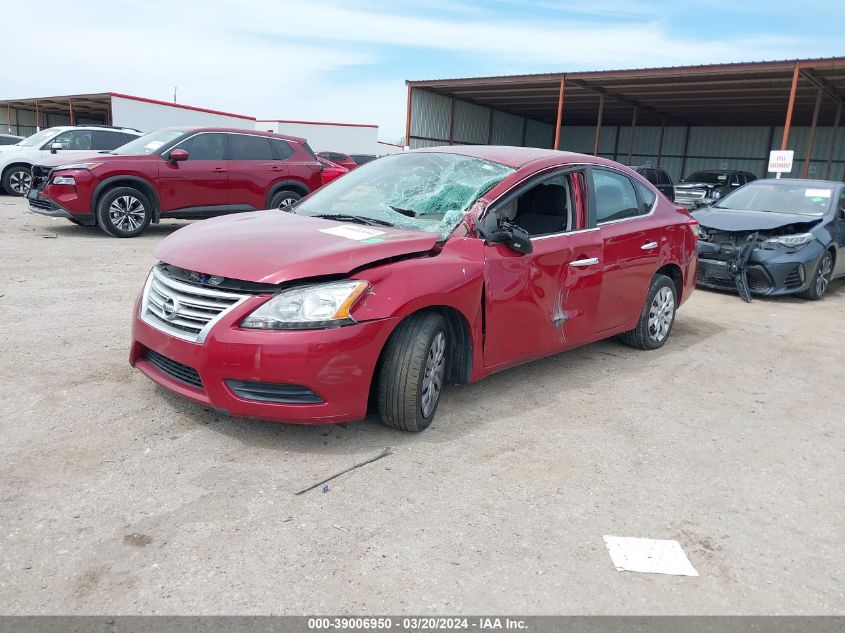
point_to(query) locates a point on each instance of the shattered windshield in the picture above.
(801, 199)
(424, 191)
(707, 177)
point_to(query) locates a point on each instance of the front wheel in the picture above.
(413, 370)
(17, 180)
(284, 198)
(824, 273)
(124, 212)
(657, 316)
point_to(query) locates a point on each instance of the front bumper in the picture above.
(51, 200)
(336, 365)
(770, 272)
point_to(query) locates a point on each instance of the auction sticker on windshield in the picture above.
(817, 193)
(353, 232)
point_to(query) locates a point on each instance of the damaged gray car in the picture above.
(774, 237)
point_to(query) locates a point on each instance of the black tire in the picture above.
(130, 215)
(821, 278)
(651, 334)
(283, 198)
(403, 374)
(16, 180)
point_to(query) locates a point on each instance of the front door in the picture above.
(543, 302)
(200, 184)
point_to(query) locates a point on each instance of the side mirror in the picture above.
(514, 237)
(178, 155)
(56, 146)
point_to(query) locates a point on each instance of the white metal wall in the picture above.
(146, 116)
(349, 139)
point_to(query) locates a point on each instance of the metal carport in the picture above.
(691, 117)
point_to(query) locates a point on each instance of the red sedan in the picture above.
(418, 270)
(331, 170)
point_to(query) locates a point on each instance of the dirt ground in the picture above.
(117, 497)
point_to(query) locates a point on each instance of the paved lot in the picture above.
(116, 497)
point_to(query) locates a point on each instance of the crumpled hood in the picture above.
(730, 220)
(697, 185)
(273, 246)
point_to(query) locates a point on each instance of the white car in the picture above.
(72, 141)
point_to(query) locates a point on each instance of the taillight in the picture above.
(694, 227)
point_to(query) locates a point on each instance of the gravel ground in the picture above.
(117, 497)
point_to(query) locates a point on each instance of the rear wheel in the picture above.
(413, 370)
(124, 212)
(17, 180)
(284, 198)
(657, 317)
(821, 280)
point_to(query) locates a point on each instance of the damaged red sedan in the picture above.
(431, 267)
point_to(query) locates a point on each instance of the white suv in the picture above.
(72, 141)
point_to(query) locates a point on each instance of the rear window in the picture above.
(282, 149)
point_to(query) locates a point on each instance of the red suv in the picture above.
(413, 271)
(177, 173)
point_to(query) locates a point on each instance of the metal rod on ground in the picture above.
(811, 141)
(384, 453)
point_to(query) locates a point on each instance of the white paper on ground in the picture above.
(650, 556)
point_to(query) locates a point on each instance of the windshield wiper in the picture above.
(406, 212)
(352, 218)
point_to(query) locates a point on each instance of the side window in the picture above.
(545, 208)
(663, 178)
(615, 197)
(74, 139)
(208, 146)
(244, 147)
(647, 198)
(841, 207)
(282, 149)
(110, 140)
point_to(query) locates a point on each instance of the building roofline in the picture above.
(179, 105)
(316, 123)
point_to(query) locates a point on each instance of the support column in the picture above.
(811, 141)
(408, 119)
(37, 117)
(70, 105)
(684, 157)
(451, 120)
(788, 123)
(524, 130)
(660, 142)
(616, 144)
(633, 132)
(9, 117)
(559, 111)
(832, 149)
(490, 128)
(598, 126)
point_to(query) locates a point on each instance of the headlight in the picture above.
(792, 241)
(310, 307)
(64, 180)
(88, 166)
(715, 195)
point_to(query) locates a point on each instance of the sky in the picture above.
(332, 60)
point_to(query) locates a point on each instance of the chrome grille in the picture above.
(184, 310)
(689, 194)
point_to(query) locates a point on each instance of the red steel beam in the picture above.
(788, 123)
(559, 110)
(633, 132)
(70, 105)
(598, 125)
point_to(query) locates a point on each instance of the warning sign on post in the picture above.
(780, 162)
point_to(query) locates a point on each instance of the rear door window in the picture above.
(205, 146)
(105, 140)
(615, 196)
(281, 148)
(246, 147)
(74, 139)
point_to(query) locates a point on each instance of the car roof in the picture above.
(637, 167)
(286, 137)
(801, 181)
(517, 157)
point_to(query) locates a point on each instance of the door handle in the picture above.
(584, 262)
(648, 246)
(219, 170)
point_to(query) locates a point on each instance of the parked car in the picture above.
(178, 173)
(774, 237)
(68, 141)
(362, 159)
(10, 139)
(705, 187)
(344, 160)
(439, 265)
(331, 170)
(659, 178)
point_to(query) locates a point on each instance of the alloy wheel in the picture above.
(660, 314)
(127, 213)
(286, 201)
(20, 181)
(823, 274)
(435, 370)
